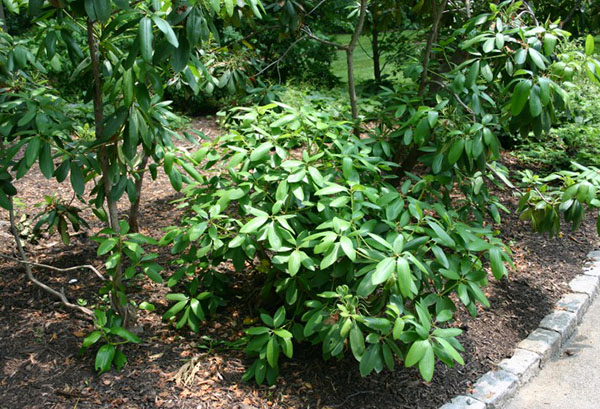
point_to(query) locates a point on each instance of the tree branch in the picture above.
(58, 294)
(63, 270)
(309, 33)
(277, 61)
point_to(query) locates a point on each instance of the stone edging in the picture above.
(493, 389)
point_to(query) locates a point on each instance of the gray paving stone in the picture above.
(524, 364)
(592, 269)
(585, 284)
(563, 322)
(495, 388)
(574, 302)
(543, 342)
(594, 255)
(464, 402)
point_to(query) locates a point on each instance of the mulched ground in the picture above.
(39, 341)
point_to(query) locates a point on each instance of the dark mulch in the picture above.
(39, 340)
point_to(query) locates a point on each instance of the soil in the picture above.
(40, 364)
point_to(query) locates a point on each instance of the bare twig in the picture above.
(31, 263)
(306, 30)
(58, 294)
(277, 61)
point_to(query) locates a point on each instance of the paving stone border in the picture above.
(494, 388)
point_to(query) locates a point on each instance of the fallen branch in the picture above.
(86, 266)
(58, 294)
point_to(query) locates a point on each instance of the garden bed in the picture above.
(39, 340)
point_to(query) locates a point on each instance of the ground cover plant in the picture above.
(365, 227)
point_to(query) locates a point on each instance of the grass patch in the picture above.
(363, 59)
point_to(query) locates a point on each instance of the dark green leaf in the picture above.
(104, 358)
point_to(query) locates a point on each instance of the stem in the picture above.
(134, 210)
(58, 294)
(103, 159)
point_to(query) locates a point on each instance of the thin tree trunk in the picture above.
(349, 49)
(351, 85)
(2, 18)
(104, 160)
(376, 59)
(437, 17)
(350, 61)
(413, 156)
(375, 45)
(134, 210)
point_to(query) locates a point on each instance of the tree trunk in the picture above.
(350, 61)
(2, 18)
(413, 156)
(375, 44)
(104, 154)
(351, 85)
(134, 210)
(376, 59)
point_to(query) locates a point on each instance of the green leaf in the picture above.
(254, 224)
(357, 342)
(549, 43)
(273, 352)
(404, 277)
(126, 335)
(167, 30)
(45, 162)
(330, 190)
(456, 151)
(427, 362)
(348, 247)
(107, 245)
(215, 5)
(77, 179)
(33, 151)
(104, 358)
(294, 262)
(416, 352)
(261, 151)
(368, 360)
(589, 45)
(229, 7)
(450, 350)
(257, 330)
(152, 270)
(498, 267)
(91, 339)
(146, 37)
(175, 179)
(519, 97)
(535, 102)
(279, 317)
(102, 9)
(537, 58)
(119, 360)
(383, 270)
(443, 237)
